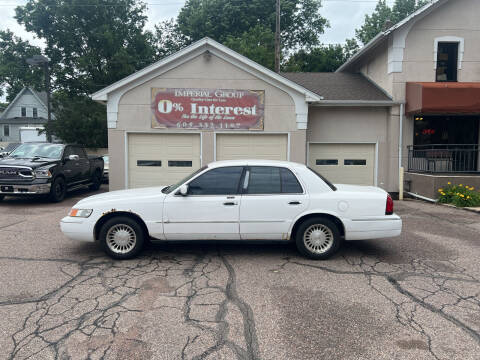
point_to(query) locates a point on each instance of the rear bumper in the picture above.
(373, 228)
(19, 189)
(77, 228)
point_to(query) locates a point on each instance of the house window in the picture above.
(447, 61)
(6, 130)
(35, 113)
(24, 111)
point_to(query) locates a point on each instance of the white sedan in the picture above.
(237, 200)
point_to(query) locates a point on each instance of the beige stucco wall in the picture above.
(360, 124)
(375, 67)
(134, 112)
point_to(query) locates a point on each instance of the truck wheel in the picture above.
(96, 180)
(58, 190)
(122, 237)
(318, 238)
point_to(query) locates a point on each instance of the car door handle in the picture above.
(229, 203)
(294, 203)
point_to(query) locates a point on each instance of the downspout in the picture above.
(400, 146)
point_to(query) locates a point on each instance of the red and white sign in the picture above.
(214, 109)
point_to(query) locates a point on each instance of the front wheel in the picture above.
(318, 238)
(58, 190)
(122, 237)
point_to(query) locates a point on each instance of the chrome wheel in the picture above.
(318, 238)
(121, 238)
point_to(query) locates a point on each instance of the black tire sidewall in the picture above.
(337, 239)
(53, 194)
(139, 232)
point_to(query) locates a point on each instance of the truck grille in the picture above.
(15, 173)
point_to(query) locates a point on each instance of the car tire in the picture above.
(96, 180)
(318, 238)
(58, 190)
(122, 237)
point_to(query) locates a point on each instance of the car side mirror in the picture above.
(73, 157)
(183, 190)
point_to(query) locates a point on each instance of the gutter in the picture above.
(379, 103)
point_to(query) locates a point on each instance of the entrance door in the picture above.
(210, 210)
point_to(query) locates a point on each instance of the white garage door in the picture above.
(344, 163)
(161, 159)
(252, 146)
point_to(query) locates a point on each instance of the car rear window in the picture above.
(330, 185)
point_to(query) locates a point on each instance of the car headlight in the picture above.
(43, 174)
(80, 213)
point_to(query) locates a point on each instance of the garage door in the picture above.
(344, 163)
(252, 146)
(161, 159)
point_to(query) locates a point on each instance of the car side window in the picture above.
(218, 181)
(290, 184)
(264, 180)
(272, 180)
(67, 152)
(79, 151)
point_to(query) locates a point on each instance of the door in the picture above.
(252, 146)
(83, 163)
(71, 168)
(272, 198)
(210, 210)
(344, 163)
(161, 159)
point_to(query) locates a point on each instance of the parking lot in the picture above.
(412, 297)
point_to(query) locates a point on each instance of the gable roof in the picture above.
(40, 96)
(201, 46)
(383, 35)
(340, 86)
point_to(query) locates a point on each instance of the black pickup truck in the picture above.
(49, 169)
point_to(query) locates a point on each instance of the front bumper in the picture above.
(77, 228)
(24, 189)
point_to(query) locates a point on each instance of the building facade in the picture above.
(359, 125)
(28, 109)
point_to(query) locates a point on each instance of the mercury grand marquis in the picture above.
(237, 200)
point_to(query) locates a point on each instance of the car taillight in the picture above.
(389, 207)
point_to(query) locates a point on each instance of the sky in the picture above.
(344, 17)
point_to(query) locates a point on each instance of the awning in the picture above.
(442, 97)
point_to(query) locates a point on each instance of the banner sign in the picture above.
(210, 109)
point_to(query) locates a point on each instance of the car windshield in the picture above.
(11, 147)
(105, 159)
(170, 188)
(330, 185)
(49, 151)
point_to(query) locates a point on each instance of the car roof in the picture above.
(254, 162)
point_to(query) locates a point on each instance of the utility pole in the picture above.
(277, 38)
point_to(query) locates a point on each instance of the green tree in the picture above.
(15, 73)
(168, 38)
(91, 44)
(327, 58)
(383, 16)
(301, 21)
(256, 43)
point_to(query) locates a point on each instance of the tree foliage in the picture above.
(327, 58)
(91, 44)
(384, 16)
(15, 73)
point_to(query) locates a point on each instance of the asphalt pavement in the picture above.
(412, 297)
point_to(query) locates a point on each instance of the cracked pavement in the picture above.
(412, 297)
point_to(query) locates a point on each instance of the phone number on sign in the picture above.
(207, 125)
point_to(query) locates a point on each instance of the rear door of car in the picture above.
(272, 197)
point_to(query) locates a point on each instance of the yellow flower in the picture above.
(468, 197)
(472, 188)
(460, 185)
(462, 195)
(443, 193)
(449, 183)
(440, 190)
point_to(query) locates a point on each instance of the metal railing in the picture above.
(439, 158)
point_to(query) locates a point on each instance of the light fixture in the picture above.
(207, 55)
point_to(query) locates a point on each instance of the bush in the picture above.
(459, 195)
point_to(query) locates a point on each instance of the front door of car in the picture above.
(71, 168)
(210, 209)
(272, 198)
(83, 163)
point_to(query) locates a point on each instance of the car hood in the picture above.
(34, 164)
(359, 188)
(121, 196)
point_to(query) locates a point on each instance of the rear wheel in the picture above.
(318, 238)
(58, 190)
(96, 180)
(122, 237)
